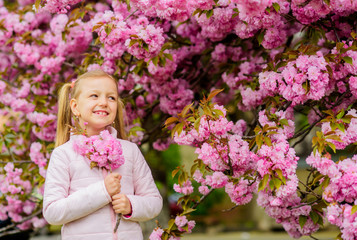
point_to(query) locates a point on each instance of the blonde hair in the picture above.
(65, 113)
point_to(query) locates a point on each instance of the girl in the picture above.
(87, 201)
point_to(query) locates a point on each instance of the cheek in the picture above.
(114, 108)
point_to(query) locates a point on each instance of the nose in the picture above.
(103, 101)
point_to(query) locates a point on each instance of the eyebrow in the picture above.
(109, 93)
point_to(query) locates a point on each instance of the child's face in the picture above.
(96, 104)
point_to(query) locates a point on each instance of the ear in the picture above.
(74, 107)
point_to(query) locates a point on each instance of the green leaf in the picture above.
(194, 167)
(185, 110)
(137, 128)
(260, 37)
(271, 133)
(314, 216)
(169, 56)
(196, 11)
(281, 176)
(306, 86)
(334, 137)
(162, 61)
(165, 235)
(181, 179)
(132, 42)
(348, 60)
(317, 178)
(170, 121)
(196, 125)
(179, 128)
(271, 128)
(235, 15)
(213, 94)
(207, 111)
(10, 40)
(9, 137)
(93, 164)
(146, 46)
(276, 6)
(218, 112)
(251, 143)
(263, 182)
(302, 220)
(354, 209)
(325, 183)
(191, 119)
(171, 223)
(188, 210)
(280, 173)
(259, 140)
(333, 126)
(174, 172)
(267, 141)
(340, 114)
(155, 60)
(108, 29)
(209, 13)
(284, 122)
(346, 120)
(277, 183)
(341, 127)
(271, 184)
(265, 128)
(37, 4)
(332, 146)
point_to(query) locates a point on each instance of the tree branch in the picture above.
(131, 14)
(2, 230)
(17, 161)
(202, 198)
(230, 209)
(311, 191)
(304, 204)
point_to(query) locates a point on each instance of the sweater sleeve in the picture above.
(146, 202)
(60, 207)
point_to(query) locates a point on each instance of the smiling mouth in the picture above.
(102, 113)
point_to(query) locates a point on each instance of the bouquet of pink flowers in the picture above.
(103, 150)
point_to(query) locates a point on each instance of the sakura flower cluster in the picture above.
(303, 79)
(103, 150)
(348, 136)
(340, 192)
(181, 222)
(12, 186)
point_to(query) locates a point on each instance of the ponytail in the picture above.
(119, 124)
(64, 115)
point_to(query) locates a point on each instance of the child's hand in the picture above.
(121, 204)
(112, 183)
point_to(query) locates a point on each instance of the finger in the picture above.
(115, 175)
(116, 196)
